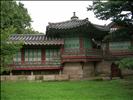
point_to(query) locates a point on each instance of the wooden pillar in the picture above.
(10, 73)
(22, 56)
(107, 47)
(62, 49)
(60, 72)
(43, 55)
(32, 73)
(81, 44)
(61, 52)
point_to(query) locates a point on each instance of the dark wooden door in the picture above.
(115, 71)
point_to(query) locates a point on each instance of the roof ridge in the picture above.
(68, 21)
(27, 34)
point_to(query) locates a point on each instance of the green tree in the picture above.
(32, 31)
(14, 20)
(126, 63)
(120, 12)
(13, 14)
(114, 10)
(8, 48)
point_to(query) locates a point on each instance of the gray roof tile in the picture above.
(68, 24)
(73, 24)
(36, 39)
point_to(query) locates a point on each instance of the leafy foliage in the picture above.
(114, 10)
(119, 35)
(13, 14)
(32, 31)
(7, 49)
(120, 12)
(14, 19)
(126, 63)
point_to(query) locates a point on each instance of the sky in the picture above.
(43, 12)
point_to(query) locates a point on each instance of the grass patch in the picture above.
(73, 90)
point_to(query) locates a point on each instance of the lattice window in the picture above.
(52, 56)
(17, 58)
(32, 55)
(87, 43)
(119, 45)
(72, 43)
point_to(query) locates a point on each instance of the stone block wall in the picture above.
(78, 71)
(103, 68)
(30, 77)
(62, 77)
(126, 72)
(49, 77)
(74, 70)
(35, 77)
(88, 69)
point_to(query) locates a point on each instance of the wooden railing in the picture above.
(52, 63)
(74, 54)
(82, 52)
(121, 52)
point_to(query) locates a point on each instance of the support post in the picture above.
(10, 73)
(22, 56)
(43, 56)
(62, 49)
(81, 44)
(107, 48)
(32, 73)
(60, 72)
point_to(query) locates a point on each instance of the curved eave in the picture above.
(63, 30)
(61, 42)
(96, 32)
(88, 25)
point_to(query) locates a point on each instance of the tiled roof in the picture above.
(36, 39)
(110, 24)
(74, 23)
(101, 27)
(67, 24)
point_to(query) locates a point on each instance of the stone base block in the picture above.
(49, 77)
(62, 77)
(39, 77)
(31, 78)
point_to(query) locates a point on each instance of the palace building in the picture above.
(74, 47)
